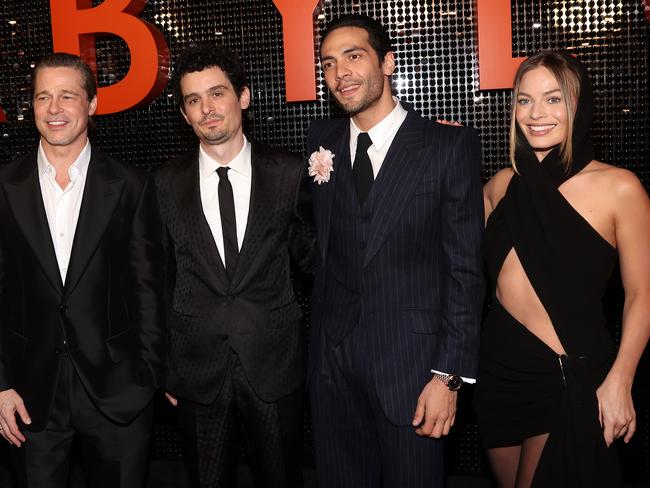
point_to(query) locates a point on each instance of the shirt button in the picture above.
(64, 308)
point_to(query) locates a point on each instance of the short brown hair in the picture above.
(66, 60)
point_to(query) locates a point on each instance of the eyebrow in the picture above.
(346, 51)
(548, 92)
(47, 92)
(209, 90)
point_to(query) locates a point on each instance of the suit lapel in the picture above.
(263, 185)
(338, 141)
(187, 194)
(399, 175)
(101, 194)
(24, 196)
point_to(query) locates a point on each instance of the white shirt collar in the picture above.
(380, 133)
(240, 164)
(78, 168)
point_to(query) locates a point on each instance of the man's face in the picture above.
(211, 106)
(353, 72)
(61, 106)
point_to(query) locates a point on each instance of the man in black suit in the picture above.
(81, 302)
(397, 300)
(234, 213)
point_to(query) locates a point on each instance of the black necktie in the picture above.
(228, 222)
(362, 169)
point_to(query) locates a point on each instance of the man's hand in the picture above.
(10, 403)
(172, 399)
(436, 410)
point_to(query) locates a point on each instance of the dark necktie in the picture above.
(228, 222)
(362, 169)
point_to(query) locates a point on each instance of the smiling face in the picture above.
(62, 108)
(355, 75)
(211, 106)
(541, 111)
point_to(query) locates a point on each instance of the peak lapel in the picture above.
(338, 141)
(101, 193)
(396, 182)
(24, 197)
(260, 214)
(187, 194)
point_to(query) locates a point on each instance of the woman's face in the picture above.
(540, 111)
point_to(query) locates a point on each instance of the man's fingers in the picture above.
(22, 411)
(419, 413)
(15, 431)
(173, 400)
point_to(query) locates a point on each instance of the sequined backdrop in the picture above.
(437, 72)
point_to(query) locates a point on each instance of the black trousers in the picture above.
(356, 446)
(112, 455)
(212, 436)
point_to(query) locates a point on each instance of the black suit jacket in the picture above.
(256, 313)
(422, 276)
(110, 310)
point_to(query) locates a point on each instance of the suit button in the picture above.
(64, 308)
(362, 246)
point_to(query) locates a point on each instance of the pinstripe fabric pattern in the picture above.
(419, 290)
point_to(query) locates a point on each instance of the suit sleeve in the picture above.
(147, 263)
(302, 240)
(463, 284)
(5, 382)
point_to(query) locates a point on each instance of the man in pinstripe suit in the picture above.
(398, 294)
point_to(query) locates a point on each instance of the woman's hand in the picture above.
(616, 409)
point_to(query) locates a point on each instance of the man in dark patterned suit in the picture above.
(397, 299)
(234, 213)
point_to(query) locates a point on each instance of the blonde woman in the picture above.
(553, 392)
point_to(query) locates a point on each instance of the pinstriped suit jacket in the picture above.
(422, 276)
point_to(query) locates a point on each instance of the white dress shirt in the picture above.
(62, 206)
(240, 177)
(382, 135)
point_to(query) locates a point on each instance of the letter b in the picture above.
(75, 25)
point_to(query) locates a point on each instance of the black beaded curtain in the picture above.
(437, 71)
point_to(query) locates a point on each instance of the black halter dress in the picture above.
(524, 388)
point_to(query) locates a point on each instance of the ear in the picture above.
(184, 115)
(245, 98)
(92, 106)
(389, 63)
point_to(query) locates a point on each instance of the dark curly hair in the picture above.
(199, 57)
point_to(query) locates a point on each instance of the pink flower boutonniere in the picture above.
(321, 165)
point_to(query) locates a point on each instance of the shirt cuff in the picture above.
(465, 380)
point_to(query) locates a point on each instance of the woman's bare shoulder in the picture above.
(496, 187)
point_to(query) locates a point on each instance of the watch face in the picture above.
(454, 382)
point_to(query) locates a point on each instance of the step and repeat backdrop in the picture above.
(438, 72)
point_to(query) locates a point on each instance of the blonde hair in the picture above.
(568, 79)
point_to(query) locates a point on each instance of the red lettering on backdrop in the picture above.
(75, 25)
(3, 117)
(496, 65)
(298, 38)
(646, 10)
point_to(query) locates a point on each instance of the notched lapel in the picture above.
(101, 195)
(399, 175)
(24, 197)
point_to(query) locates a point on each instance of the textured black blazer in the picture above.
(255, 314)
(422, 276)
(110, 310)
